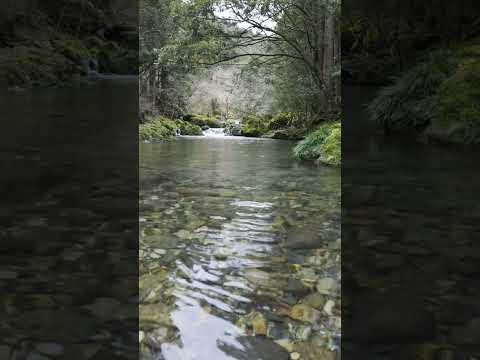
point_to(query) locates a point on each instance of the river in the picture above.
(239, 251)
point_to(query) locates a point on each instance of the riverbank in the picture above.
(322, 145)
(45, 46)
(429, 84)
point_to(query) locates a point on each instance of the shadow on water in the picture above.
(239, 251)
(410, 236)
(68, 236)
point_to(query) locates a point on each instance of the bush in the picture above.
(438, 99)
(187, 128)
(409, 104)
(323, 144)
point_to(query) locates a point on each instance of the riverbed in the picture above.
(239, 251)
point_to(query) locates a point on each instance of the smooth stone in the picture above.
(303, 238)
(315, 300)
(255, 348)
(50, 349)
(8, 275)
(328, 308)
(295, 356)
(4, 352)
(327, 286)
(304, 313)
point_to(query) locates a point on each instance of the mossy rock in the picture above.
(286, 134)
(254, 126)
(204, 121)
(157, 129)
(233, 129)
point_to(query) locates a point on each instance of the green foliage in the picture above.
(187, 128)
(254, 126)
(323, 144)
(458, 117)
(439, 98)
(157, 129)
(282, 120)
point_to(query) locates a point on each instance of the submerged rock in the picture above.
(255, 348)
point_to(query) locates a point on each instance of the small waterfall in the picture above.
(178, 132)
(214, 132)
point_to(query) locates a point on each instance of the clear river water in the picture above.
(239, 251)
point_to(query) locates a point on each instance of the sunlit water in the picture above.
(234, 233)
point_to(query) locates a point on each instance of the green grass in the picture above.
(323, 144)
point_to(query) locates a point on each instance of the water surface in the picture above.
(238, 245)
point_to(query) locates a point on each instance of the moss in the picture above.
(323, 144)
(157, 129)
(26, 65)
(187, 128)
(286, 134)
(233, 129)
(204, 121)
(254, 126)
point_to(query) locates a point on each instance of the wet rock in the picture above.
(36, 356)
(183, 234)
(309, 352)
(328, 308)
(256, 322)
(4, 352)
(8, 274)
(327, 286)
(304, 313)
(255, 348)
(372, 318)
(303, 238)
(297, 288)
(295, 356)
(56, 325)
(468, 334)
(51, 349)
(315, 300)
(154, 315)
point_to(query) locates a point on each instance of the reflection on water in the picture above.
(239, 251)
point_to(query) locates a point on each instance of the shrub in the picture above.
(187, 128)
(439, 98)
(157, 129)
(323, 144)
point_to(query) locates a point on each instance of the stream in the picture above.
(239, 251)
